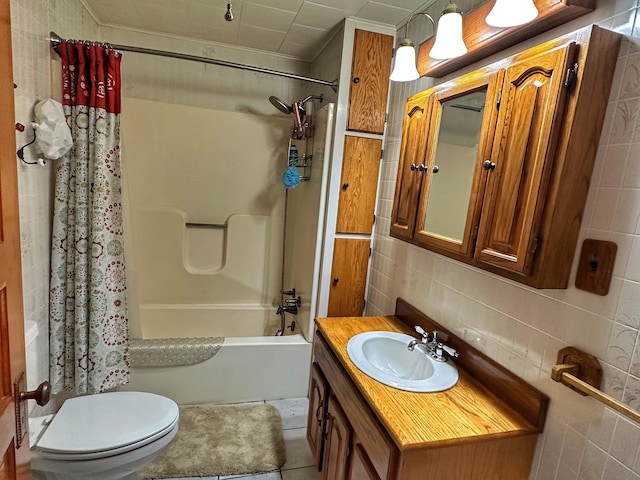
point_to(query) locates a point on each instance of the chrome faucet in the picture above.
(434, 348)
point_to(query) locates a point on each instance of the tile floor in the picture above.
(299, 464)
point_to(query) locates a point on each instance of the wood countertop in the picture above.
(417, 420)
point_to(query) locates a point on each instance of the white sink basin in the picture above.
(384, 357)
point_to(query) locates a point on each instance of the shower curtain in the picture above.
(88, 314)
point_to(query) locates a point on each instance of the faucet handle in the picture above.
(443, 352)
(423, 332)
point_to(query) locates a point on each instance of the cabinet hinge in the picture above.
(374, 219)
(386, 117)
(499, 101)
(535, 245)
(571, 76)
(381, 152)
(475, 232)
(370, 251)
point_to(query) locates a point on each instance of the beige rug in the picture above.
(222, 440)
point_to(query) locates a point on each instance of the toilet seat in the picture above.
(106, 424)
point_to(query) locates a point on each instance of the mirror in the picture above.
(453, 165)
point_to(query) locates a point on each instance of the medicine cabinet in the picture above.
(495, 165)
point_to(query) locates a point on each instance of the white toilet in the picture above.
(107, 436)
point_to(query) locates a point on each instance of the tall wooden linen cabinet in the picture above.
(358, 143)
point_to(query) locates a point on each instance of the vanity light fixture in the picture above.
(510, 13)
(404, 68)
(449, 42)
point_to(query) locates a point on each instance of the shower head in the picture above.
(309, 97)
(280, 105)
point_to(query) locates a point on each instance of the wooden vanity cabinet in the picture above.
(536, 150)
(485, 427)
(318, 399)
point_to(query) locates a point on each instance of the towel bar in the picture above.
(582, 372)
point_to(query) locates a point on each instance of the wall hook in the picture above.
(20, 152)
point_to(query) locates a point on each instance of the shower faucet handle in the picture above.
(291, 292)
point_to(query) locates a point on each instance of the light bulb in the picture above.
(511, 13)
(404, 69)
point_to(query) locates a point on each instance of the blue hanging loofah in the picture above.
(291, 177)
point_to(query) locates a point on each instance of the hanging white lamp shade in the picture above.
(449, 42)
(509, 13)
(404, 69)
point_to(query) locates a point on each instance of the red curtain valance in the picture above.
(90, 76)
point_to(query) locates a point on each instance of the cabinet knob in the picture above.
(422, 168)
(345, 185)
(414, 167)
(335, 281)
(356, 80)
(435, 169)
(488, 165)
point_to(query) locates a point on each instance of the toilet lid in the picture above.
(107, 422)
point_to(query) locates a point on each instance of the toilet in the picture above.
(107, 436)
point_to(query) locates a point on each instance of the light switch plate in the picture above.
(596, 266)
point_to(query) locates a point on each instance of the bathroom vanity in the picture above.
(485, 427)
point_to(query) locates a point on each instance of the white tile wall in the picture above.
(523, 328)
(31, 21)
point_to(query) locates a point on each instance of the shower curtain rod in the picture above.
(55, 40)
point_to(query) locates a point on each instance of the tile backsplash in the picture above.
(523, 328)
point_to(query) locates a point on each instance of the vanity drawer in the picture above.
(377, 444)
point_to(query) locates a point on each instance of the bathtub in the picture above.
(251, 365)
(245, 369)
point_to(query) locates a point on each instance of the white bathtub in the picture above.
(245, 369)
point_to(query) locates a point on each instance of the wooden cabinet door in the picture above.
(369, 90)
(359, 184)
(318, 394)
(338, 443)
(415, 128)
(462, 128)
(532, 105)
(348, 277)
(14, 448)
(361, 468)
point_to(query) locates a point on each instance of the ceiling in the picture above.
(299, 28)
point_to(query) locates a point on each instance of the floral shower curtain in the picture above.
(88, 314)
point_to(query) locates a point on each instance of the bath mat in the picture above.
(222, 440)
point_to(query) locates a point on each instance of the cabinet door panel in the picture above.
(348, 277)
(463, 119)
(318, 394)
(336, 457)
(412, 152)
(359, 181)
(361, 468)
(370, 72)
(532, 102)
